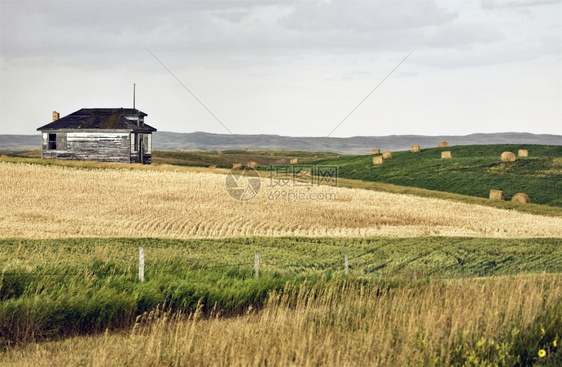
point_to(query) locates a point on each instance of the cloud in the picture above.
(88, 34)
(105, 32)
(463, 35)
(263, 64)
(365, 16)
(495, 4)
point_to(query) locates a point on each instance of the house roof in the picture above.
(101, 118)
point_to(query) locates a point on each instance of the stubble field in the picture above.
(53, 202)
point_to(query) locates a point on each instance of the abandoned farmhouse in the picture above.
(99, 134)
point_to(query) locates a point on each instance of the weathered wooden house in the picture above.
(99, 134)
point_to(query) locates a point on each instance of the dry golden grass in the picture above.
(446, 154)
(53, 202)
(440, 323)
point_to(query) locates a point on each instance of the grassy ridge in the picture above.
(225, 159)
(192, 158)
(51, 288)
(474, 170)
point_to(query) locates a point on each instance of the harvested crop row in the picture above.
(53, 202)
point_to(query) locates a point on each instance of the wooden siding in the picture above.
(95, 146)
(61, 141)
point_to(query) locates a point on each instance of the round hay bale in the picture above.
(415, 149)
(252, 164)
(236, 165)
(443, 144)
(521, 198)
(294, 160)
(507, 157)
(446, 154)
(375, 151)
(387, 154)
(220, 152)
(496, 195)
(378, 159)
(522, 153)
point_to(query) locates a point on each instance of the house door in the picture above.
(140, 148)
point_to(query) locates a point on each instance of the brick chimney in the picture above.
(56, 115)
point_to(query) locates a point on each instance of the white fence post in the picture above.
(346, 265)
(141, 264)
(257, 264)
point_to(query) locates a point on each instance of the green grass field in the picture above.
(53, 288)
(473, 170)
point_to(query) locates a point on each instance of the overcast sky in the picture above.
(294, 68)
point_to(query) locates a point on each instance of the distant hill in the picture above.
(164, 140)
(20, 142)
(353, 145)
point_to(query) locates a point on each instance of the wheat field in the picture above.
(54, 202)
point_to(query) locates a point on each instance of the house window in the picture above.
(52, 143)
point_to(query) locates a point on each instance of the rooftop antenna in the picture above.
(134, 87)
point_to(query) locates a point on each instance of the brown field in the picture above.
(52, 202)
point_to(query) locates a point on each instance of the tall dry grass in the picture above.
(472, 322)
(49, 201)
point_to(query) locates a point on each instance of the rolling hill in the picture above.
(352, 145)
(473, 170)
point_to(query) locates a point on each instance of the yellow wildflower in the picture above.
(542, 353)
(554, 343)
